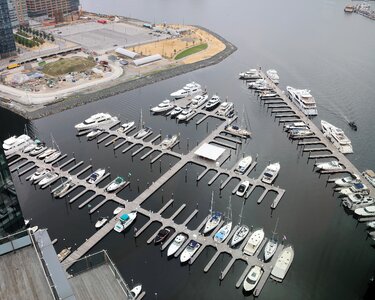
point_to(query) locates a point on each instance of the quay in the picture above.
(23, 159)
(318, 138)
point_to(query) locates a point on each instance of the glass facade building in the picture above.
(7, 44)
(11, 219)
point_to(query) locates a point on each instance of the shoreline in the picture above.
(84, 97)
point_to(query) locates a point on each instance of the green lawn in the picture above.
(66, 65)
(191, 51)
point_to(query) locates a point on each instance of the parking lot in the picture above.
(104, 37)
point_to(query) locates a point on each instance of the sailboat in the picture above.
(242, 129)
(242, 231)
(55, 154)
(144, 130)
(224, 231)
(271, 245)
(213, 219)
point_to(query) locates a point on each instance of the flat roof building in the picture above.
(51, 8)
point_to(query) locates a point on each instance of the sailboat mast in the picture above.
(274, 231)
(240, 220)
(212, 202)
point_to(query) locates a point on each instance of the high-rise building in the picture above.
(51, 8)
(11, 219)
(7, 44)
(18, 12)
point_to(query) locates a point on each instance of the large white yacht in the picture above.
(164, 106)
(303, 100)
(191, 89)
(283, 263)
(13, 144)
(254, 242)
(271, 173)
(96, 121)
(198, 100)
(337, 137)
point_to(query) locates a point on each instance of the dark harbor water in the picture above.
(312, 44)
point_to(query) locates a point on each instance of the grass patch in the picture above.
(66, 65)
(191, 51)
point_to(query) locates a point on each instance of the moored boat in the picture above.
(252, 278)
(189, 251)
(39, 174)
(64, 253)
(254, 242)
(272, 74)
(135, 291)
(283, 263)
(49, 178)
(347, 181)
(32, 146)
(118, 209)
(271, 173)
(176, 244)
(337, 137)
(186, 114)
(38, 150)
(116, 184)
(212, 103)
(95, 177)
(100, 222)
(244, 164)
(124, 221)
(238, 131)
(94, 133)
(191, 89)
(47, 152)
(303, 100)
(370, 176)
(14, 144)
(224, 108)
(242, 188)
(198, 101)
(365, 211)
(126, 126)
(96, 121)
(162, 235)
(143, 132)
(329, 166)
(176, 111)
(52, 157)
(164, 106)
(169, 142)
(240, 234)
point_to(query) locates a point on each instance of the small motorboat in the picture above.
(271, 173)
(64, 253)
(169, 142)
(252, 278)
(296, 125)
(96, 176)
(198, 101)
(365, 211)
(329, 166)
(162, 235)
(176, 244)
(125, 221)
(234, 129)
(268, 94)
(244, 164)
(224, 108)
(135, 291)
(189, 251)
(52, 157)
(353, 125)
(118, 210)
(250, 74)
(186, 114)
(31, 146)
(101, 221)
(38, 150)
(63, 188)
(272, 74)
(39, 174)
(212, 103)
(240, 234)
(126, 126)
(242, 188)
(357, 188)
(116, 184)
(300, 133)
(94, 133)
(46, 153)
(33, 229)
(347, 181)
(164, 106)
(176, 111)
(142, 133)
(49, 178)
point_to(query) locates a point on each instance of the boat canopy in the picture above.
(124, 217)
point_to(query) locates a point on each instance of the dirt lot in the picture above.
(171, 47)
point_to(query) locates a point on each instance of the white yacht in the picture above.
(191, 89)
(176, 111)
(212, 103)
(176, 244)
(260, 84)
(357, 188)
(94, 133)
(365, 211)
(126, 126)
(270, 249)
(252, 278)
(234, 129)
(39, 174)
(223, 233)
(169, 142)
(347, 181)
(271, 173)
(186, 114)
(355, 201)
(118, 209)
(329, 166)
(96, 120)
(116, 184)
(189, 251)
(300, 133)
(370, 176)
(254, 242)
(14, 144)
(244, 164)
(283, 263)
(101, 221)
(31, 146)
(135, 291)
(38, 150)
(143, 132)
(50, 158)
(296, 125)
(250, 74)
(164, 106)
(303, 100)
(225, 108)
(242, 188)
(47, 152)
(124, 221)
(96, 176)
(63, 188)
(272, 74)
(49, 178)
(337, 137)
(371, 224)
(198, 101)
(240, 234)
(268, 94)
(64, 253)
